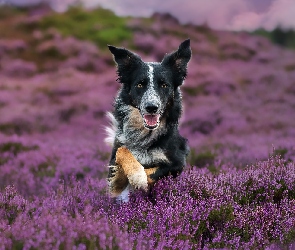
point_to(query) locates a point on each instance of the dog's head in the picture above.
(151, 86)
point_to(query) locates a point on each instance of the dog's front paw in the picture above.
(139, 179)
(117, 180)
(112, 172)
(132, 168)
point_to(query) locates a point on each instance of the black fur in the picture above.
(151, 90)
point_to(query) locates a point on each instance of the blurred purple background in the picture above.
(226, 14)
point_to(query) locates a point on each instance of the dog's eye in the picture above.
(140, 84)
(164, 85)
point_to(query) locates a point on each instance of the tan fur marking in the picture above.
(132, 168)
(118, 182)
(136, 120)
(148, 172)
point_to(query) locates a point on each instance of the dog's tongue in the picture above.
(151, 120)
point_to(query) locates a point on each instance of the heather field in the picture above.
(57, 80)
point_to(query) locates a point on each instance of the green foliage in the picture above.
(194, 91)
(290, 67)
(261, 194)
(289, 237)
(99, 26)
(279, 36)
(8, 12)
(53, 53)
(218, 217)
(216, 221)
(202, 159)
(46, 168)
(16, 147)
(17, 245)
(281, 152)
(136, 225)
(65, 115)
(21, 127)
(243, 232)
(17, 127)
(280, 190)
(90, 244)
(202, 231)
(252, 194)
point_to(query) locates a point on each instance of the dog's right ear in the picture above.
(126, 61)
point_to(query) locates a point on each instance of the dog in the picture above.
(144, 132)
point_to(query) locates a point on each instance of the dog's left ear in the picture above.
(178, 60)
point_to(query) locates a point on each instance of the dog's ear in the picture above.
(179, 59)
(126, 61)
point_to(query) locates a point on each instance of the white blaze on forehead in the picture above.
(151, 74)
(150, 96)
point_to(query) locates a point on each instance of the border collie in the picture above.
(144, 124)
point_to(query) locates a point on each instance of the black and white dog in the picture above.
(144, 133)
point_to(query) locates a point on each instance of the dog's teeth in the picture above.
(151, 120)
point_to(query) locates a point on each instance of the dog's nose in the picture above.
(151, 108)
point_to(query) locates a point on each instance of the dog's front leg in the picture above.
(117, 180)
(132, 168)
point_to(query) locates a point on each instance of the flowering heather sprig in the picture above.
(65, 219)
(237, 209)
(11, 204)
(35, 167)
(248, 209)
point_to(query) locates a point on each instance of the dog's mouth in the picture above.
(151, 121)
